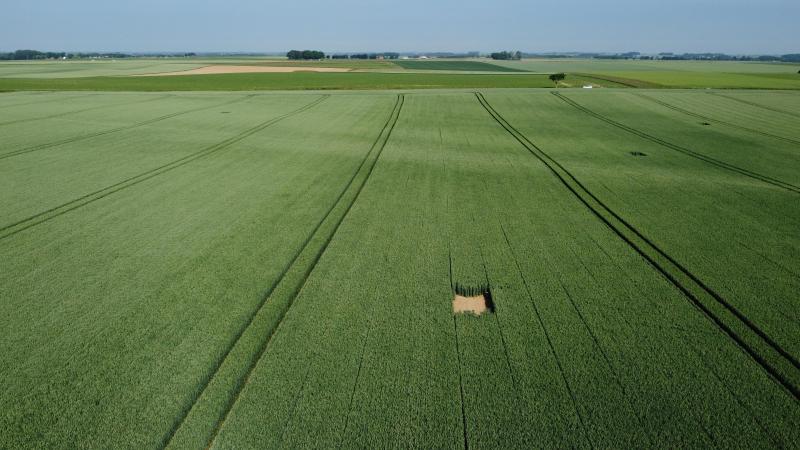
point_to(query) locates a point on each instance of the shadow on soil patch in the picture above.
(472, 300)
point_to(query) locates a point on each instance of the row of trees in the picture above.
(305, 54)
(30, 55)
(386, 55)
(24, 55)
(505, 56)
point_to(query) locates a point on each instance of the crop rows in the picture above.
(681, 149)
(205, 416)
(762, 348)
(295, 289)
(44, 216)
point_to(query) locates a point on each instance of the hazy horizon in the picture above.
(140, 26)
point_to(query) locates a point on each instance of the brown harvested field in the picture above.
(210, 70)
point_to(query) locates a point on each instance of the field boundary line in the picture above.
(49, 214)
(765, 351)
(711, 119)
(627, 82)
(678, 148)
(78, 111)
(83, 137)
(303, 265)
(747, 102)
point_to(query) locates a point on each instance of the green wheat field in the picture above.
(270, 260)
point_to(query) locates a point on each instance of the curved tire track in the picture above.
(719, 121)
(229, 377)
(765, 351)
(684, 150)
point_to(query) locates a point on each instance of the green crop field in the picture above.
(271, 260)
(673, 74)
(282, 81)
(457, 65)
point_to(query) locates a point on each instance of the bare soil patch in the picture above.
(475, 304)
(220, 69)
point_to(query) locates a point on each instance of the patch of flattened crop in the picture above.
(471, 300)
(638, 154)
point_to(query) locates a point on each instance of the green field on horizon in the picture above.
(122, 75)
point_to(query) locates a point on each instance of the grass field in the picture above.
(121, 75)
(674, 74)
(282, 81)
(261, 269)
(459, 65)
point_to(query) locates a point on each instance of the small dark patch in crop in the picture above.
(705, 124)
(225, 112)
(638, 154)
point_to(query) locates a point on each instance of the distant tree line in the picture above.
(724, 57)
(505, 56)
(385, 55)
(305, 54)
(700, 57)
(24, 55)
(29, 55)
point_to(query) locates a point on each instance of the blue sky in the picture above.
(732, 26)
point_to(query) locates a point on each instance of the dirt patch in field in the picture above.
(475, 304)
(214, 70)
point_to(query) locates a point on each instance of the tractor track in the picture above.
(776, 361)
(237, 381)
(746, 102)
(56, 211)
(83, 137)
(78, 111)
(719, 121)
(721, 164)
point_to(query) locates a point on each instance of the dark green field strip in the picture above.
(712, 119)
(77, 111)
(202, 419)
(627, 82)
(472, 66)
(82, 137)
(783, 366)
(684, 150)
(754, 104)
(49, 214)
(281, 81)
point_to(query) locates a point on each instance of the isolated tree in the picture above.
(556, 77)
